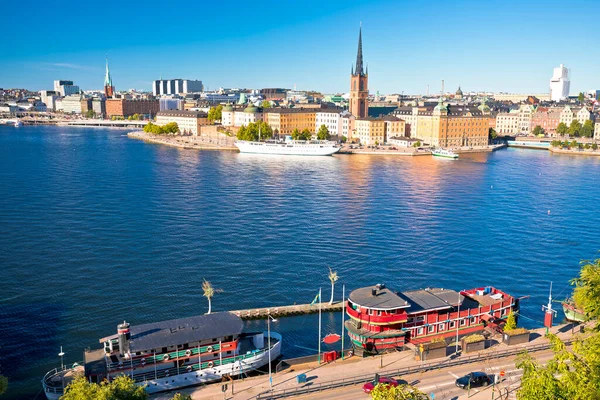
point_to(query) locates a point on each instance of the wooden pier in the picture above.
(287, 311)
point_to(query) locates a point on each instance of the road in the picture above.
(441, 382)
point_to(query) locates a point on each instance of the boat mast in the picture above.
(550, 313)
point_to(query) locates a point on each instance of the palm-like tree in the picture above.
(333, 277)
(209, 292)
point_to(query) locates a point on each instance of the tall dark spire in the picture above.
(359, 57)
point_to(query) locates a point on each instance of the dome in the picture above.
(459, 92)
(228, 107)
(251, 110)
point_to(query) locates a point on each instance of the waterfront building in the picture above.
(99, 106)
(285, 120)
(49, 97)
(359, 84)
(109, 89)
(410, 115)
(559, 84)
(71, 104)
(570, 113)
(402, 141)
(65, 88)
(189, 122)
(546, 117)
(227, 114)
(126, 107)
(515, 121)
(347, 122)
(176, 86)
(86, 105)
(373, 131)
(384, 320)
(247, 116)
(332, 118)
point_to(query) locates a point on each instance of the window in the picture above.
(452, 324)
(431, 328)
(473, 320)
(441, 327)
(420, 331)
(463, 322)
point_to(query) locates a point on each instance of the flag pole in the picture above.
(320, 301)
(343, 302)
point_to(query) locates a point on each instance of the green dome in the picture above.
(251, 109)
(228, 107)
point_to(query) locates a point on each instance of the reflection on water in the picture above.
(96, 228)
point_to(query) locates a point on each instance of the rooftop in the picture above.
(384, 298)
(182, 113)
(431, 299)
(184, 330)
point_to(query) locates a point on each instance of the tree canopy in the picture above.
(121, 388)
(574, 128)
(400, 392)
(265, 104)
(587, 130)
(587, 288)
(323, 133)
(538, 130)
(3, 384)
(562, 128)
(215, 113)
(170, 127)
(304, 135)
(250, 132)
(493, 134)
(581, 97)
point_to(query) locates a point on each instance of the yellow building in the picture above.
(189, 122)
(285, 120)
(372, 131)
(454, 126)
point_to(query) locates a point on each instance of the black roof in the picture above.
(184, 330)
(384, 299)
(183, 113)
(431, 299)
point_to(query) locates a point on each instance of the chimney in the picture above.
(374, 292)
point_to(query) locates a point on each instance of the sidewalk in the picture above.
(250, 387)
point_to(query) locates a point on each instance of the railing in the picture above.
(387, 319)
(173, 356)
(357, 379)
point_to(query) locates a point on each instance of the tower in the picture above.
(359, 84)
(109, 89)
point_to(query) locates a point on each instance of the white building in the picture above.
(169, 103)
(560, 84)
(227, 115)
(402, 141)
(250, 115)
(189, 122)
(507, 123)
(71, 104)
(568, 114)
(176, 86)
(65, 88)
(49, 98)
(332, 119)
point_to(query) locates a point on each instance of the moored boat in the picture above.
(572, 313)
(444, 153)
(172, 354)
(292, 147)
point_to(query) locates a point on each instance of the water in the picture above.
(96, 228)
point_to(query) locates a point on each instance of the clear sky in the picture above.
(489, 45)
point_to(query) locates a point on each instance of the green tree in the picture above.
(594, 146)
(333, 277)
(562, 128)
(255, 131)
(296, 134)
(581, 97)
(3, 384)
(170, 127)
(538, 130)
(305, 134)
(323, 133)
(493, 134)
(121, 388)
(179, 396)
(587, 130)
(587, 288)
(511, 322)
(400, 392)
(574, 128)
(215, 113)
(417, 144)
(265, 104)
(90, 114)
(209, 292)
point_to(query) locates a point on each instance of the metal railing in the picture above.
(357, 379)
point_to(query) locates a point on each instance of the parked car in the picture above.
(473, 380)
(383, 380)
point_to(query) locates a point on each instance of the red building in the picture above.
(546, 117)
(383, 320)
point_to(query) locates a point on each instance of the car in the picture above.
(383, 380)
(474, 379)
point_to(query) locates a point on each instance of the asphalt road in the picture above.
(442, 382)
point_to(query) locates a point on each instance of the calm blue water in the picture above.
(96, 228)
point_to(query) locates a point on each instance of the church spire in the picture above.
(107, 78)
(359, 56)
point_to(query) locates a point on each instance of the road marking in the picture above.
(453, 374)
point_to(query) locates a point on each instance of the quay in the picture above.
(288, 311)
(210, 141)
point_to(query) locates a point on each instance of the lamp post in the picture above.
(457, 324)
(269, 318)
(62, 367)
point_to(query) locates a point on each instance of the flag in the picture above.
(316, 298)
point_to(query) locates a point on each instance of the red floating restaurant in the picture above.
(384, 320)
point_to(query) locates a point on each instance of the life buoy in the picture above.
(167, 373)
(209, 349)
(350, 353)
(210, 364)
(188, 353)
(120, 365)
(189, 368)
(165, 357)
(143, 361)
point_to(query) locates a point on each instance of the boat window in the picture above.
(420, 331)
(452, 324)
(441, 327)
(431, 329)
(463, 322)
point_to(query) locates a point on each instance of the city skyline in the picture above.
(408, 46)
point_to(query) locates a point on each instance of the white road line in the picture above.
(453, 374)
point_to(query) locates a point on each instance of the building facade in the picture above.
(597, 130)
(189, 122)
(71, 104)
(359, 85)
(176, 86)
(559, 84)
(569, 114)
(249, 115)
(125, 107)
(285, 120)
(65, 88)
(546, 117)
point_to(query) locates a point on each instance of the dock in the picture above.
(288, 311)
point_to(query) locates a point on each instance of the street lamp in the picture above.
(61, 355)
(457, 324)
(269, 318)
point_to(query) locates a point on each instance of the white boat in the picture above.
(292, 147)
(444, 153)
(18, 123)
(172, 354)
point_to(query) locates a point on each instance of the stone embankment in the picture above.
(216, 141)
(576, 151)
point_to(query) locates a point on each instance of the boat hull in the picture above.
(573, 314)
(452, 157)
(294, 149)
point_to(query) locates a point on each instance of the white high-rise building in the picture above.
(559, 84)
(176, 86)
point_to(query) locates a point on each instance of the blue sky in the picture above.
(480, 45)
